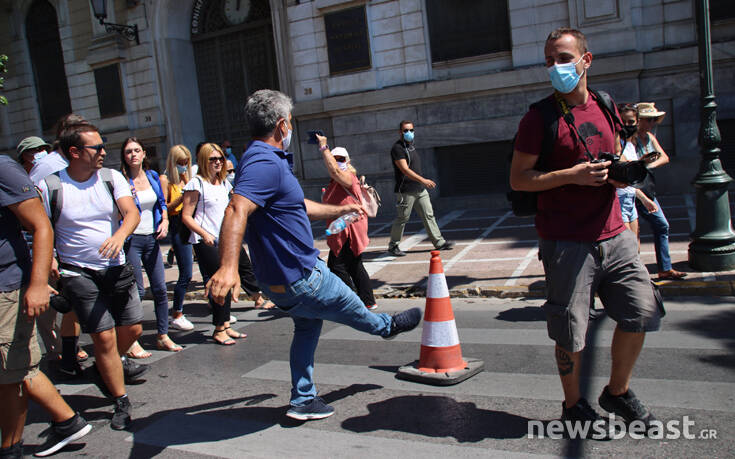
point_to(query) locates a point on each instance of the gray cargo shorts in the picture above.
(575, 271)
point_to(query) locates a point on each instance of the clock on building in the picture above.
(236, 11)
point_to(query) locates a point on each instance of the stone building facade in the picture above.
(464, 71)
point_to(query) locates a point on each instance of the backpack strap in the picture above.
(106, 175)
(550, 115)
(608, 108)
(55, 196)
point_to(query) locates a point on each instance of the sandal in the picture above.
(228, 342)
(166, 344)
(261, 302)
(235, 334)
(82, 356)
(137, 352)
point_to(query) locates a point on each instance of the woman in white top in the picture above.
(142, 248)
(205, 198)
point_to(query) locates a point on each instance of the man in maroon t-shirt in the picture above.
(583, 243)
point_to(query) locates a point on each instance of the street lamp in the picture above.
(130, 32)
(713, 240)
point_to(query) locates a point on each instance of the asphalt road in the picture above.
(213, 401)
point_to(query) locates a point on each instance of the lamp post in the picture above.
(130, 32)
(713, 240)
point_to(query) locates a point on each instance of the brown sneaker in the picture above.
(671, 274)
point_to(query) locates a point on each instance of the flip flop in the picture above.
(265, 305)
(82, 355)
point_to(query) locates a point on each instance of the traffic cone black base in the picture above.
(411, 372)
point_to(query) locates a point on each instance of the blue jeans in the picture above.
(184, 261)
(320, 295)
(660, 227)
(144, 250)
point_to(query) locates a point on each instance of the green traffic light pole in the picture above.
(713, 240)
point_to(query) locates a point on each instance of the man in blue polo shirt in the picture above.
(269, 208)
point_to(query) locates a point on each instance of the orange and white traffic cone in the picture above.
(440, 361)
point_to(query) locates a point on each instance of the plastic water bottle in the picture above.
(342, 222)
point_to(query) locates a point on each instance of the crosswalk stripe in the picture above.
(685, 394)
(538, 337)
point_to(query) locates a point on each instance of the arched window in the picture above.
(235, 56)
(44, 45)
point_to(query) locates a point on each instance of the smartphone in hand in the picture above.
(312, 136)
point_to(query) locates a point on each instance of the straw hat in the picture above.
(648, 110)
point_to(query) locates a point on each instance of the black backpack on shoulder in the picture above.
(524, 203)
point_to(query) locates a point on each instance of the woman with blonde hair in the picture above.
(205, 199)
(178, 174)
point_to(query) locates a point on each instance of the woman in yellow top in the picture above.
(178, 174)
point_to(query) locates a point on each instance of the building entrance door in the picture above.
(234, 54)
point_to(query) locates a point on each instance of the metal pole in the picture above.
(713, 240)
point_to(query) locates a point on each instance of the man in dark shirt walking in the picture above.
(411, 191)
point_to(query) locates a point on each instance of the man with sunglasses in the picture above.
(411, 191)
(85, 209)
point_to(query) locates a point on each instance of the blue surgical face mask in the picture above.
(564, 77)
(408, 136)
(39, 155)
(181, 169)
(228, 150)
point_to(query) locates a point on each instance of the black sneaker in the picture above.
(396, 251)
(316, 409)
(132, 370)
(580, 421)
(404, 321)
(62, 433)
(448, 245)
(69, 374)
(121, 416)
(626, 406)
(13, 451)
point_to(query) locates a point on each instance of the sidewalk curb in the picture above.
(668, 288)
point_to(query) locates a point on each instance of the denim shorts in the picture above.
(575, 271)
(19, 351)
(103, 299)
(627, 206)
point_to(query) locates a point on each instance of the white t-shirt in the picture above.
(88, 217)
(53, 162)
(630, 155)
(147, 200)
(210, 206)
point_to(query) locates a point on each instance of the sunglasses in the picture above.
(214, 159)
(230, 171)
(407, 130)
(340, 159)
(96, 148)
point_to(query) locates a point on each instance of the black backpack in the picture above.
(523, 203)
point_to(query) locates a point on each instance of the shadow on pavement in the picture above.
(525, 314)
(438, 416)
(717, 325)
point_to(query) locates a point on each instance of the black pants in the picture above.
(208, 258)
(348, 267)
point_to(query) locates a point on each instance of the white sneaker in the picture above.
(182, 323)
(233, 319)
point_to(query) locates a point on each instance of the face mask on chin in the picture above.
(564, 77)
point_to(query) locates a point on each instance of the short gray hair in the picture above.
(263, 110)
